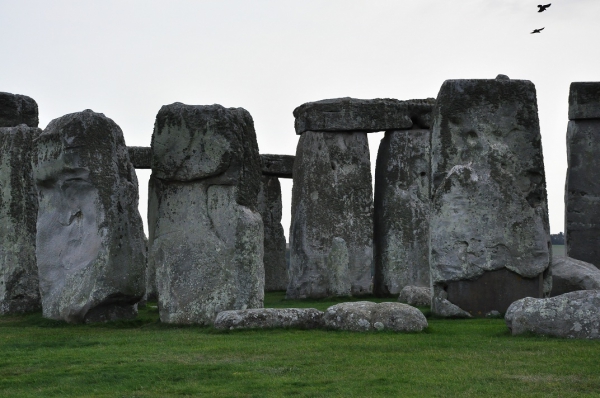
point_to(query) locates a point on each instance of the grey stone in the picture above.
(362, 316)
(582, 192)
(140, 156)
(338, 264)
(569, 275)
(331, 198)
(90, 240)
(444, 308)
(281, 166)
(502, 77)
(269, 207)
(489, 208)
(570, 315)
(205, 233)
(493, 314)
(17, 109)
(584, 100)
(269, 318)
(415, 295)
(19, 286)
(401, 218)
(352, 115)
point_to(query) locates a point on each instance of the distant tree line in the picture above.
(557, 239)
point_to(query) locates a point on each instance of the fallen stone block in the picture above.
(415, 296)
(569, 275)
(269, 318)
(362, 316)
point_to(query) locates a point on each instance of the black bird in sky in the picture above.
(538, 30)
(543, 8)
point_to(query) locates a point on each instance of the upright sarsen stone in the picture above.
(18, 109)
(19, 287)
(205, 233)
(489, 217)
(90, 242)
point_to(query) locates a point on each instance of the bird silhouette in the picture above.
(543, 8)
(538, 30)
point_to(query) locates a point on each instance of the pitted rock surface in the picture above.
(269, 318)
(362, 316)
(415, 296)
(569, 275)
(277, 165)
(18, 109)
(352, 115)
(331, 198)
(205, 233)
(140, 156)
(584, 100)
(90, 241)
(489, 207)
(401, 219)
(19, 286)
(570, 315)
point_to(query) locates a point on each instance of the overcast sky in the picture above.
(128, 58)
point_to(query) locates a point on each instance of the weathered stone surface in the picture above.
(19, 286)
(489, 208)
(140, 156)
(571, 315)
(269, 318)
(90, 240)
(362, 316)
(277, 165)
(584, 100)
(415, 295)
(401, 220)
(17, 109)
(569, 275)
(444, 308)
(582, 192)
(353, 115)
(205, 233)
(269, 207)
(331, 198)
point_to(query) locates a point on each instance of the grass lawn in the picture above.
(143, 358)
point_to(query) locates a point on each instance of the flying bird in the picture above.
(538, 30)
(543, 8)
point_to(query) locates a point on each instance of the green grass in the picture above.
(144, 358)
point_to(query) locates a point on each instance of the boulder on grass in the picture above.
(415, 296)
(362, 316)
(569, 275)
(268, 318)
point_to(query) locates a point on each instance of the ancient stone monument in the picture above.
(17, 109)
(582, 188)
(489, 216)
(205, 233)
(90, 241)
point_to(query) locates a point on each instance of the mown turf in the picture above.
(143, 358)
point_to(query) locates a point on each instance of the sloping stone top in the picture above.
(17, 109)
(277, 165)
(351, 114)
(584, 100)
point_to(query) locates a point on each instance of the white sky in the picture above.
(128, 58)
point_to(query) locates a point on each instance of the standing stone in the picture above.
(206, 235)
(90, 241)
(17, 109)
(270, 209)
(401, 220)
(19, 286)
(489, 218)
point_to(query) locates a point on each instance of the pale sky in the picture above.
(128, 58)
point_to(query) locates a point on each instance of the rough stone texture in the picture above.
(269, 207)
(140, 156)
(442, 307)
(401, 220)
(351, 114)
(415, 295)
(17, 109)
(269, 318)
(489, 208)
(205, 233)
(582, 192)
(584, 100)
(571, 315)
(331, 198)
(90, 240)
(19, 286)
(362, 316)
(569, 275)
(338, 264)
(281, 166)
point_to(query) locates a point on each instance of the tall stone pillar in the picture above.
(490, 240)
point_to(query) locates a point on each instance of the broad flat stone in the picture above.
(140, 156)
(269, 318)
(17, 109)
(584, 100)
(569, 275)
(489, 208)
(281, 166)
(90, 241)
(401, 220)
(19, 286)
(353, 115)
(363, 316)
